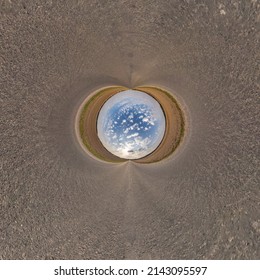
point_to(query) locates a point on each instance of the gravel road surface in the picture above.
(56, 202)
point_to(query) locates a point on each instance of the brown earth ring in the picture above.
(86, 124)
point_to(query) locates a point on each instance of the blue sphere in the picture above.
(131, 124)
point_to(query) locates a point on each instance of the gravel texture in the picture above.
(58, 203)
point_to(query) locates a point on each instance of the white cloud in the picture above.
(132, 135)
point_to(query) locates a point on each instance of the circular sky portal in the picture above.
(131, 124)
